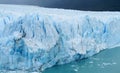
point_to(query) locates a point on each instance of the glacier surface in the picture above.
(34, 38)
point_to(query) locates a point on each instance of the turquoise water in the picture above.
(107, 61)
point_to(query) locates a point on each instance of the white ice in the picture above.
(34, 38)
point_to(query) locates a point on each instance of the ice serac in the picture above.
(35, 38)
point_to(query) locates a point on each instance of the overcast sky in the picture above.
(70, 4)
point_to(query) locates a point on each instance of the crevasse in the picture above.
(35, 38)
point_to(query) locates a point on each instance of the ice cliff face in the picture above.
(35, 38)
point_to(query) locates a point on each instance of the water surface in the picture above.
(107, 61)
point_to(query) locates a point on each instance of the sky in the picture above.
(95, 5)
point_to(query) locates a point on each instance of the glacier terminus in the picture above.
(35, 38)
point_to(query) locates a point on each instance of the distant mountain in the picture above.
(71, 4)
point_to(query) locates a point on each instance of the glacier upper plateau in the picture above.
(35, 38)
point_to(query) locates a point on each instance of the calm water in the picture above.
(108, 61)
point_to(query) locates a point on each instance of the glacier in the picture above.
(35, 38)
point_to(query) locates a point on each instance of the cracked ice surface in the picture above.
(34, 38)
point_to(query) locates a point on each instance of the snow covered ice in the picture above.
(34, 38)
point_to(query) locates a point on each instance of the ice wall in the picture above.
(35, 38)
